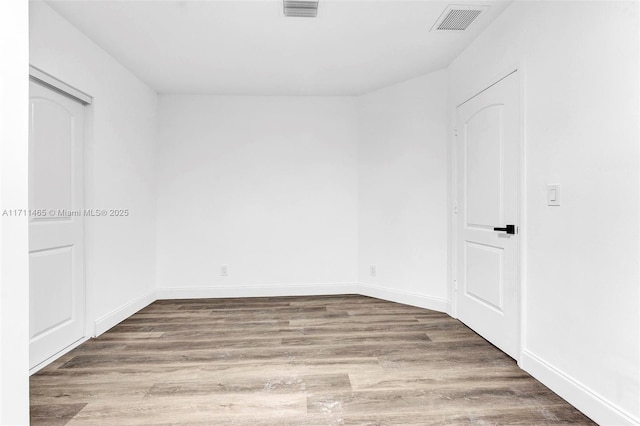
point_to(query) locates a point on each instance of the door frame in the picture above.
(49, 81)
(519, 69)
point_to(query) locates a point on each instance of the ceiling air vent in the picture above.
(301, 8)
(457, 18)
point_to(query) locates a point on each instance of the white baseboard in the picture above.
(404, 297)
(256, 291)
(580, 396)
(118, 315)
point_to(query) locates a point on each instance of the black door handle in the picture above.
(510, 229)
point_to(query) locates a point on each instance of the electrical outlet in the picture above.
(372, 270)
(224, 271)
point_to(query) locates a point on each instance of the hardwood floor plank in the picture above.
(55, 414)
(190, 408)
(250, 384)
(68, 393)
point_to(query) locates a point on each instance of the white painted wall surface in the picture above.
(581, 315)
(402, 191)
(119, 165)
(264, 185)
(14, 261)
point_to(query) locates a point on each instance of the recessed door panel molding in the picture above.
(51, 279)
(484, 178)
(56, 239)
(51, 154)
(484, 274)
(487, 297)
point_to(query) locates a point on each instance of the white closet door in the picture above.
(488, 180)
(56, 250)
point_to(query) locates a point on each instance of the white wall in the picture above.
(264, 185)
(14, 266)
(120, 165)
(581, 284)
(402, 191)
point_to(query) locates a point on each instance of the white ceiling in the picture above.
(250, 48)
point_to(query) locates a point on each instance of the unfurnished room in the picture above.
(319, 212)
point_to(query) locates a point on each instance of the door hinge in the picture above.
(455, 132)
(455, 209)
(455, 285)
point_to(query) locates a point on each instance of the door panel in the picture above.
(47, 266)
(52, 144)
(56, 252)
(487, 295)
(484, 279)
(483, 147)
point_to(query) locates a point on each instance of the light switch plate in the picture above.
(553, 194)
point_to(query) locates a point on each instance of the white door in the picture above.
(56, 252)
(488, 143)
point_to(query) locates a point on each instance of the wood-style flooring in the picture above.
(321, 360)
